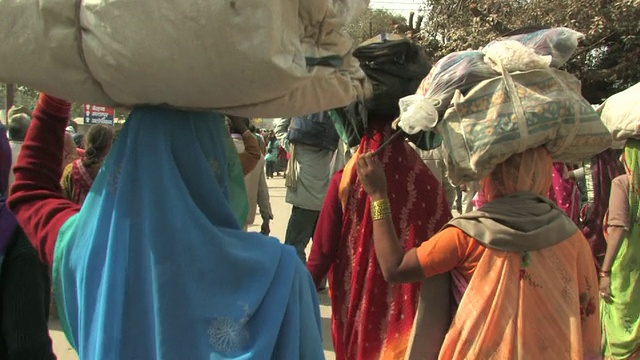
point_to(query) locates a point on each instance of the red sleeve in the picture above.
(36, 196)
(327, 235)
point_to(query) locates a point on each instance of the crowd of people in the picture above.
(143, 239)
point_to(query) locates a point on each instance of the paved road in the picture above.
(281, 212)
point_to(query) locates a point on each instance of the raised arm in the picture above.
(396, 265)
(36, 196)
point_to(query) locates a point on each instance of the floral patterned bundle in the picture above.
(515, 112)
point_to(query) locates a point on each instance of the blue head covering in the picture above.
(156, 266)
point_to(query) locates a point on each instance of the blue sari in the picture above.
(156, 265)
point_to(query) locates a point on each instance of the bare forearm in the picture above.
(614, 241)
(396, 265)
(388, 249)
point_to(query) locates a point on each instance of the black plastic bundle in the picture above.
(395, 66)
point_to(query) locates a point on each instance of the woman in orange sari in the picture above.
(532, 288)
(372, 319)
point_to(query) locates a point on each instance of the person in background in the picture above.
(160, 268)
(70, 151)
(467, 192)
(259, 137)
(619, 275)
(311, 140)
(255, 182)
(24, 282)
(283, 161)
(18, 125)
(264, 200)
(251, 154)
(434, 159)
(78, 176)
(370, 318)
(78, 139)
(525, 282)
(271, 156)
(597, 174)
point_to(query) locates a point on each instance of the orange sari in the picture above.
(532, 288)
(533, 305)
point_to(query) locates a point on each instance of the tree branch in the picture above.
(497, 26)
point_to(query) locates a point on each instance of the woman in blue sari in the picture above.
(155, 264)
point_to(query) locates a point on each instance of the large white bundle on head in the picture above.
(251, 57)
(419, 113)
(621, 114)
(505, 99)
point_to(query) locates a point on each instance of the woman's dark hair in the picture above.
(78, 139)
(18, 126)
(97, 143)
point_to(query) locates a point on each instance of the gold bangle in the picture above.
(380, 209)
(605, 273)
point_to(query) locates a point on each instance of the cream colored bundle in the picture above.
(254, 58)
(621, 113)
(515, 112)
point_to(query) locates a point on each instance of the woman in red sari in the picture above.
(372, 319)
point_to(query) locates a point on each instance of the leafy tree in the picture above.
(606, 60)
(371, 23)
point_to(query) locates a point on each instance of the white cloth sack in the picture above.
(251, 58)
(621, 113)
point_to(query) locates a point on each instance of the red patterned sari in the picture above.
(372, 319)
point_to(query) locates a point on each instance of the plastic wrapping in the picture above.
(511, 55)
(559, 43)
(456, 71)
(418, 114)
(464, 69)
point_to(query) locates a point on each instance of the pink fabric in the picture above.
(565, 193)
(82, 181)
(479, 200)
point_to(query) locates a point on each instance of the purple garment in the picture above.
(8, 221)
(5, 162)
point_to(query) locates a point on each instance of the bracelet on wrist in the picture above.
(380, 209)
(605, 273)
